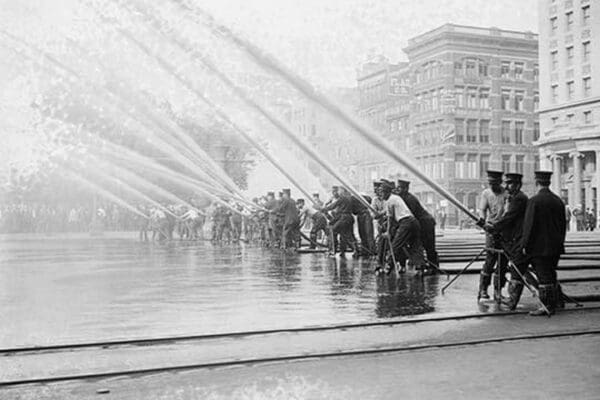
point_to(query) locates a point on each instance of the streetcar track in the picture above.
(295, 357)
(10, 352)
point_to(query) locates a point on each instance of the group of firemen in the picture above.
(522, 232)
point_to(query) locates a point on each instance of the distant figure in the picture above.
(442, 218)
(544, 230)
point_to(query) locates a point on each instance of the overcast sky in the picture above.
(324, 40)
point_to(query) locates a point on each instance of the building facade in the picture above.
(569, 142)
(463, 103)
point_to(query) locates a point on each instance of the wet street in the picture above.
(68, 289)
(62, 290)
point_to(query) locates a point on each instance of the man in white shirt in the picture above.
(403, 228)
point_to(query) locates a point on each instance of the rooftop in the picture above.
(472, 30)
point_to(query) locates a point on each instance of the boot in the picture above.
(547, 296)
(484, 283)
(559, 300)
(515, 289)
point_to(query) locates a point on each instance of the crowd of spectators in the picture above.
(43, 218)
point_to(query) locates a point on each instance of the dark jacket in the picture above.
(545, 225)
(287, 208)
(510, 225)
(415, 207)
(341, 205)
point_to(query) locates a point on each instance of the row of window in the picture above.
(586, 49)
(433, 166)
(427, 134)
(586, 118)
(586, 89)
(514, 100)
(471, 67)
(516, 70)
(569, 20)
(472, 97)
(474, 166)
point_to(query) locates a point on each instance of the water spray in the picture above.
(188, 85)
(270, 63)
(103, 192)
(242, 94)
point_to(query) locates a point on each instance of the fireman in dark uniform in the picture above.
(365, 226)
(290, 220)
(510, 229)
(344, 221)
(544, 230)
(426, 221)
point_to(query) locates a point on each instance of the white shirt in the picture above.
(397, 207)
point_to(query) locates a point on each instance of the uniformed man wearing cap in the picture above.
(510, 229)
(271, 205)
(344, 221)
(403, 228)
(290, 220)
(544, 230)
(426, 220)
(491, 208)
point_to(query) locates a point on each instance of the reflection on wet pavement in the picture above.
(84, 289)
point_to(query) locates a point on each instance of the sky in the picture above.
(324, 40)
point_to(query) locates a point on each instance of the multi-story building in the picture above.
(569, 142)
(473, 100)
(463, 103)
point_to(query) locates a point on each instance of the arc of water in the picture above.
(242, 94)
(132, 177)
(176, 148)
(103, 192)
(127, 188)
(269, 62)
(188, 85)
(184, 180)
(175, 130)
(163, 147)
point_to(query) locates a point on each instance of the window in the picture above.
(554, 93)
(536, 102)
(505, 69)
(553, 25)
(460, 131)
(519, 161)
(536, 72)
(484, 164)
(459, 165)
(472, 98)
(471, 67)
(570, 90)
(471, 165)
(484, 99)
(471, 131)
(435, 104)
(570, 118)
(519, 96)
(519, 66)
(554, 121)
(459, 95)
(569, 55)
(587, 117)
(519, 127)
(585, 15)
(536, 131)
(458, 68)
(554, 60)
(506, 99)
(506, 163)
(587, 86)
(484, 131)
(536, 163)
(505, 132)
(569, 21)
(586, 51)
(483, 69)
